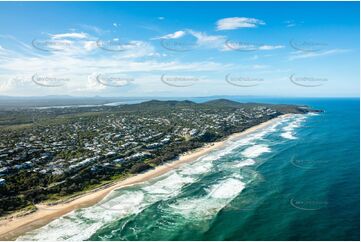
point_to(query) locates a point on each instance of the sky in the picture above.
(165, 49)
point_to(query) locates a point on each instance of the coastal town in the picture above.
(56, 153)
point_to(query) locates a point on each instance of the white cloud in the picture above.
(270, 47)
(84, 44)
(94, 29)
(92, 85)
(175, 35)
(238, 22)
(81, 68)
(209, 41)
(6, 84)
(245, 46)
(90, 45)
(70, 35)
(219, 42)
(290, 23)
(303, 54)
(136, 48)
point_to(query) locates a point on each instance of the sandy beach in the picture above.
(12, 227)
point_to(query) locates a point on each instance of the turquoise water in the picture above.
(297, 179)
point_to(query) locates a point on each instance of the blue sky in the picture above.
(308, 49)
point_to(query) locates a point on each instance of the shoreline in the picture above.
(13, 227)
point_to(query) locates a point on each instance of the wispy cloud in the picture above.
(69, 35)
(238, 22)
(245, 46)
(175, 35)
(202, 39)
(219, 42)
(209, 41)
(270, 47)
(94, 29)
(18, 68)
(290, 23)
(303, 55)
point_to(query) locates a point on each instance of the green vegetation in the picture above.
(51, 154)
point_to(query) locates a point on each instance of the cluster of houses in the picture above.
(115, 138)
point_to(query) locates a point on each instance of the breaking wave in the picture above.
(81, 224)
(288, 131)
(205, 207)
(256, 150)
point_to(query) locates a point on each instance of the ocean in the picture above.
(297, 179)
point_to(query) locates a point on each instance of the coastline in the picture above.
(11, 228)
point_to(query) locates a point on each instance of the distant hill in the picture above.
(222, 103)
(85, 104)
(213, 104)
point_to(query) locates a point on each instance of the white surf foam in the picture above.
(226, 189)
(288, 131)
(288, 135)
(82, 223)
(196, 168)
(247, 162)
(260, 134)
(171, 185)
(219, 195)
(256, 150)
(313, 114)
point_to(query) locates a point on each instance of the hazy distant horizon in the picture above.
(162, 97)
